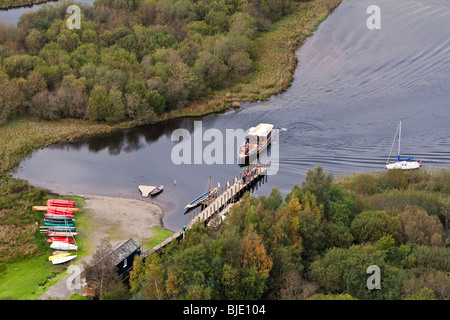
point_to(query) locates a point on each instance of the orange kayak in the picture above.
(45, 208)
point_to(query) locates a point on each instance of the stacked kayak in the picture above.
(59, 227)
(60, 203)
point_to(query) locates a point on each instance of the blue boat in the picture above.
(157, 190)
(200, 199)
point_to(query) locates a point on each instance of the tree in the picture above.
(154, 100)
(372, 225)
(244, 24)
(105, 106)
(239, 64)
(154, 288)
(211, 68)
(420, 228)
(101, 272)
(137, 273)
(12, 98)
(318, 183)
(34, 41)
(18, 66)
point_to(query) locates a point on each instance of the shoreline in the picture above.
(117, 218)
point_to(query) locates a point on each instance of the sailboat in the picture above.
(404, 164)
(203, 197)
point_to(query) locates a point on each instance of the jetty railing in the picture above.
(222, 203)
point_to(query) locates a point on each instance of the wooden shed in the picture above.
(123, 255)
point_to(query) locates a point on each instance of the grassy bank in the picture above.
(22, 251)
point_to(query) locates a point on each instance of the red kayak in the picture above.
(59, 211)
(61, 239)
(60, 203)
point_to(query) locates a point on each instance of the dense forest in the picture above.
(315, 243)
(131, 59)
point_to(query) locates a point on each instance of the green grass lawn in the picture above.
(160, 235)
(30, 278)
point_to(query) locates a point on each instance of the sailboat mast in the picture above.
(399, 137)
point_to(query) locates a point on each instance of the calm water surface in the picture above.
(351, 88)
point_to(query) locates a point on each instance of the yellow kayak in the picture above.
(56, 256)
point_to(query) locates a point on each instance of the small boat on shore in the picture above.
(60, 234)
(60, 245)
(59, 255)
(49, 209)
(257, 139)
(60, 203)
(59, 229)
(58, 216)
(59, 224)
(61, 239)
(59, 211)
(157, 190)
(63, 259)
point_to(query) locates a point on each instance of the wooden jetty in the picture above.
(220, 205)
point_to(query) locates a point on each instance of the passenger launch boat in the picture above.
(257, 139)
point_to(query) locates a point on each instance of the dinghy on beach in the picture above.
(63, 259)
(46, 208)
(157, 190)
(60, 203)
(59, 245)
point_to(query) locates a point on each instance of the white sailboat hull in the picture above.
(59, 245)
(404, 165)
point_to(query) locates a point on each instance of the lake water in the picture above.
(350, 90)
(11, 16)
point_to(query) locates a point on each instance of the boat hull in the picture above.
(157, 191)
(404, 165)
(197, 201)
(63, 259)
(45, 208)
(252, 153)
(61, 203)
(59, 255)
(59, 245)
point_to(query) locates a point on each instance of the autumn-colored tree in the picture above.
(154, 288)
(421, 228)
(137, 274)
(174, 284)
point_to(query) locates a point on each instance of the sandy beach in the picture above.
(119, 218)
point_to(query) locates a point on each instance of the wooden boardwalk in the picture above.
(221, 204)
